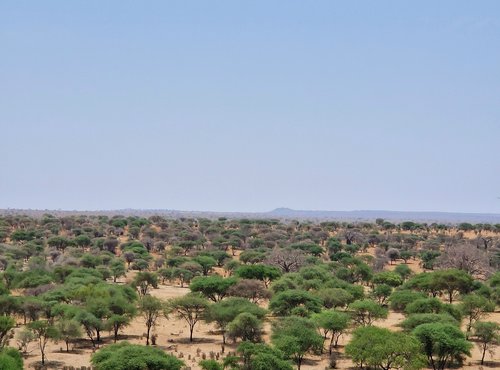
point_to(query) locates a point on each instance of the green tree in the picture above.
(44, 332)
(387, 277)
(474, 307)
(365, 312)
(7, 323)
(400, 299)
(144, 282)
(117, 269)
(190, 308)
(378, 347)
(126, 356)
(150, 308)
(295, 337)
(334, 297)
(404, 271)
(91, 324)
(260, 356)
(284, 303)
(246, 326)
(210, 365)
(333, 323)
(423, 282)
(416, 319)
(213, 287)
(68, 331)
(424, 305)
(487, 334)
(23, 338)
(381, 292)
(225, 311)
(442, 343)
(260, 272)
(184, 275)
(207, 263)
(122, 311)
(452, 281)
(82, 241)
(10, 359)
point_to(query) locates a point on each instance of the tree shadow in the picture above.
(311, 362)
(491, 364)
(48, 365)
(185, 340)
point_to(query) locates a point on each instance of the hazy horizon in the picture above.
(268, 211)
(250, 106)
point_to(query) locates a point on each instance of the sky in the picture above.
(250, 105)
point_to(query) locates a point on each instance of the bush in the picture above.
(126, 356)
(400, 299)
(414, 320)
(10, 359)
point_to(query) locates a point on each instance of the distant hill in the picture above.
(283, 214)
(370, 215)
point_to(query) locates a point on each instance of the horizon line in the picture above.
(244, 212)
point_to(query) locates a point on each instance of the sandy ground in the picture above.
(173, 337)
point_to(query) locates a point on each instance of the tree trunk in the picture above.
(484, 352)
(147, 336)
(331, 342)
(91, 339)
(432, 362)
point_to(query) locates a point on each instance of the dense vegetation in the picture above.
(82, 280)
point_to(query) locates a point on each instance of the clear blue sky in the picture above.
(250, 105)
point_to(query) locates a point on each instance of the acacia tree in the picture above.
(288, 260)
(7, 323)
(295, 337)
(474, 307)
(465, 257)
(207, 263)
(225, 311)
(144, 282)
(117, 269)
(214, 287)
(334, 297)
(68, 331)
(289, 301)
(251, 289)
(331, 322)
(121, 313)
(452, 281)
(150, 308)
(261, 272)
(366, 311)
(246, 326)
(126, 356)
(91, 324)
(190, 308)
(378, 347)
(44, 332)
(488, 336)
(10, 359)
(442, 343)
(259, 356)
